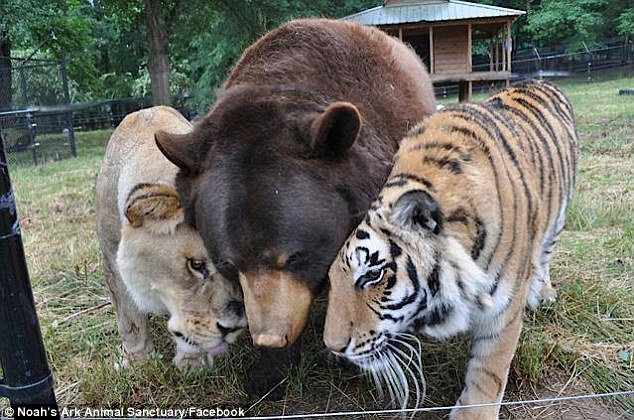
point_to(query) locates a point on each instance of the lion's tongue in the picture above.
(221, 348)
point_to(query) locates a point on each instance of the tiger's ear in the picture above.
(156, 207)
(180, 149)
(336, 129)
(419, 211)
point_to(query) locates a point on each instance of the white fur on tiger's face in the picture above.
(459, 240)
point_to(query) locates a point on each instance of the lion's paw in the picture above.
(188, 362)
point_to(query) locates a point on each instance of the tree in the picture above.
(52, 26)
(159, 62)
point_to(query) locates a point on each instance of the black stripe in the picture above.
(422, 305)
(395, 180)
(433, 281)
(544, 122)
(437, 315)
(432, 145)
(480, 239)
(459, 215)
(487, 123)
(444, 163)
(411, 271)
(549, 105)
(467, 132)
(362, 234)
(383, 316)
(395, 250)
(535, 151)
(374, 259)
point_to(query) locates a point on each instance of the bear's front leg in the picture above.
(266, 376)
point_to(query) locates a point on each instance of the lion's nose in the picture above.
(226, 330)
(236, 307)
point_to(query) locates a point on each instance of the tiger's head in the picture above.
(400, 271)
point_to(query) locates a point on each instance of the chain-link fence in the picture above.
(36, 119)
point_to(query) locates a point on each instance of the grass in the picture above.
(582, 343)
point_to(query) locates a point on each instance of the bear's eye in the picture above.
(370, 277)
(296, 260)
(199, 266)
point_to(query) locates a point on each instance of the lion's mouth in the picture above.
(220, 349)
(187, 345)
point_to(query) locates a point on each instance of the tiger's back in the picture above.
(461, 235)
(519, 151)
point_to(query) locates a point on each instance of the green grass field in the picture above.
(583, 343)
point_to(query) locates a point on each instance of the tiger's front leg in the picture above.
(493, 345)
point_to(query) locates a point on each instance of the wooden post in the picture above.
(431, 50)
(469, 57)
(496, 58)
(400, 33)
(509, 46)
(490, 54)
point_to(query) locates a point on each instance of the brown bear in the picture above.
(286, 162)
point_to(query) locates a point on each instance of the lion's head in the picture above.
(166, 269)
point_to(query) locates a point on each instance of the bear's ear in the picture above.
(156, 207)
(178, 149)
(336, 129)
(417, 210)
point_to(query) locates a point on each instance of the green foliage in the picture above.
(626, 22)
(107, 52)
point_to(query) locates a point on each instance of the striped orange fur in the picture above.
(459, 240)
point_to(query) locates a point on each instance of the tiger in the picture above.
(459, 240)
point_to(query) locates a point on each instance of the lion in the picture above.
(154, 263)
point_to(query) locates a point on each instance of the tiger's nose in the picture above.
(338, 344)
(226, 330)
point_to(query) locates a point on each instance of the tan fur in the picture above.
(463, 232)
(148, 250)
(273, 322)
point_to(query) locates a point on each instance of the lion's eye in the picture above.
(199, 266)
(370, 277)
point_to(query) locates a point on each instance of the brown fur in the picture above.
(315, 109)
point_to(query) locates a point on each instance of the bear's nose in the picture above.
(226, 330)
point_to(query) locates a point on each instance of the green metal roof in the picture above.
(408, 11)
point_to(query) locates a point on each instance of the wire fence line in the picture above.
(38, 119)
(539, 401)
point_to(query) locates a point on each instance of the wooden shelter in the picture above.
(443, 33)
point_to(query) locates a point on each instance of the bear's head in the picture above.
(274, 179)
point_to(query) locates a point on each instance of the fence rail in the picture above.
(39, 104)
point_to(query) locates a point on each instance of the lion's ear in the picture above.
(156, 207)
(180, 149)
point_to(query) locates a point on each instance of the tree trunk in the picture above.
(5, 72)
(159, 62)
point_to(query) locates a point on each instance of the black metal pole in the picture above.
(27, 379)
